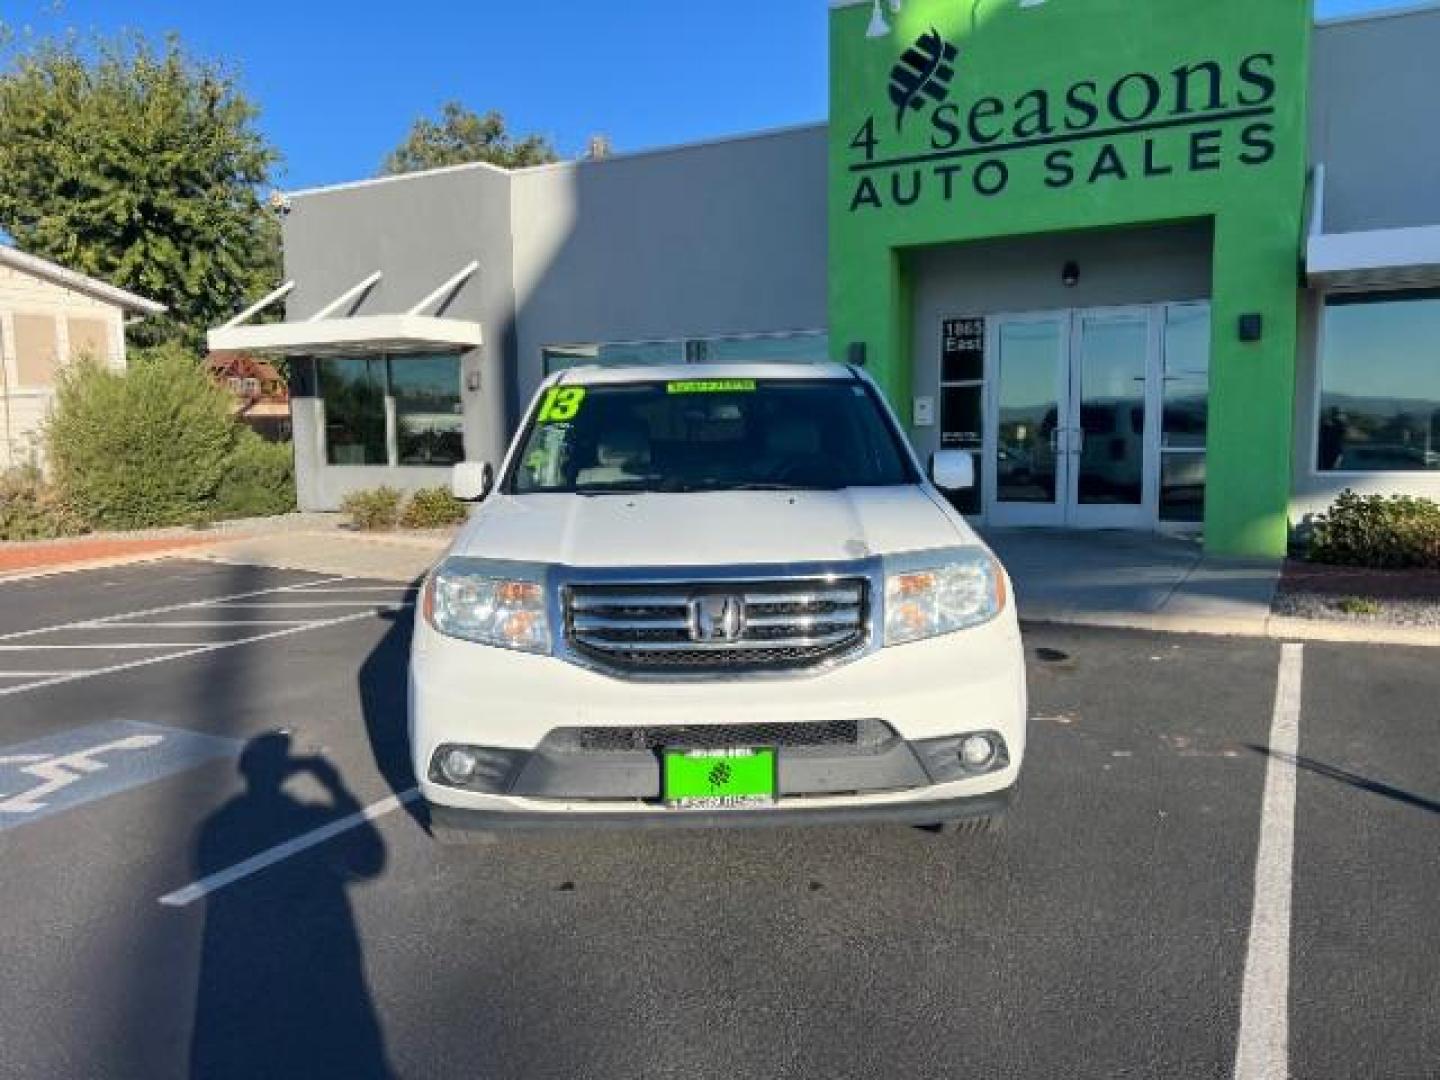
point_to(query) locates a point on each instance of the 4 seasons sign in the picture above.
(1203, 115)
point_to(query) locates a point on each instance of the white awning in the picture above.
(349, 337)
(1376, 259)
(1405, 258)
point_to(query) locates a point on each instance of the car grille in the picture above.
(857, 734)
(787, 625)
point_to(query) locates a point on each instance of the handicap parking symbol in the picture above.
(58, 772)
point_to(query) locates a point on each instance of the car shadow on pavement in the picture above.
(1355, 780)
(282, 989)
(382, 683)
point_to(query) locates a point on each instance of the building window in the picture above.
(1186, 413)
(36, 351)
(421, 392)
(806, 347)
(429, 421)
(353, 389)
(1380, 384)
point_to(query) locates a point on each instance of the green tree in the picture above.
(461, 136)
(142, 166)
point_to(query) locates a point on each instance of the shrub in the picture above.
(377, 508)
(259, 479)
(31, 509)
(144, 448)
(1380, 531)
(433, 508)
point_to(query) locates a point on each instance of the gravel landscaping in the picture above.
(1357, 595)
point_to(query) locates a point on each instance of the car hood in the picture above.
(709, 528)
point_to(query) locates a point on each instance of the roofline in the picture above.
(673, 148)
(73, 279)
(1333, 20)
(1383, 13)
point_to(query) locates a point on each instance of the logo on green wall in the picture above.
(1202, 116)
(922, 75)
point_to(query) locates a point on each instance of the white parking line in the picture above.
(199, 651)
(199, 625)
(32, 674)
(187, 605)
(107, 646)
(1263, 1048)
(280, 852)
(268, 604)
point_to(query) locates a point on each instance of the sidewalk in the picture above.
(1147, 581)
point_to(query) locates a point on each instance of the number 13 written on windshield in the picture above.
(561, 404)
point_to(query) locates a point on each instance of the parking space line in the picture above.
(286, 604)
(280, 852)
(32, 674)
(215, 646)
(199, 625)
(1263, 1048)
(187, 605)
(109, 646)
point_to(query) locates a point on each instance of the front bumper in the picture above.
(930, 812)
(925, 692)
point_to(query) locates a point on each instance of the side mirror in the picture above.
(471, 481)
(953, 470)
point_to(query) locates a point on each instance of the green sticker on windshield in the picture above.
(561, 403)
(712, 386)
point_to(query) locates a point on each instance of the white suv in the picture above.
(715, 596)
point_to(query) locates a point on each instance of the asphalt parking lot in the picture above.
(175, 906)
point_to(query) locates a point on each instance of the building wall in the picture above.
(1119, 266)
(1374, 87)
(721, 238)
(418, 231)
(75, 321)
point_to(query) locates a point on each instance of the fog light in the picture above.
(459, 765)
(976, 752)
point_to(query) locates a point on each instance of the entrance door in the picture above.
(1074, 406)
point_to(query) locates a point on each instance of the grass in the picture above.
(1359, 605)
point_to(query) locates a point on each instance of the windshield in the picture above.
(709, 435)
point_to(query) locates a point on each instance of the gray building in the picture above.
(423, 310)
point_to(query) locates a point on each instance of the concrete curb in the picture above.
(198, 551)
(1277, 627)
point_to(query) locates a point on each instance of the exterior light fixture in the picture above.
(878, 26)
(1070, 274)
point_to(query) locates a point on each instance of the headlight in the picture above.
(963, 588)
(467, 601)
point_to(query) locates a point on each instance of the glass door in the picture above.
(1111, 437)
(1026, 476)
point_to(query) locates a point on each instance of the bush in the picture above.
(433, 508)
(1385, 532)
(144, 448)
(378, 508)
(31, 509)
(259, 479)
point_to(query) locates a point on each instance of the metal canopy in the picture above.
(350, 337)
(326, 334)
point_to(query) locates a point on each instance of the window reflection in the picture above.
(353, 389)
(1380, 384)
(429, 425)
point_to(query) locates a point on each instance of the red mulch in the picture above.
(35, 556)
(1340, 581)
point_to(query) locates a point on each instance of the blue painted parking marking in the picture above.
(59, 772)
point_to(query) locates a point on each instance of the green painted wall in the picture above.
(1079, 114)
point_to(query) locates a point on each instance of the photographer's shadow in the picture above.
(282, 987)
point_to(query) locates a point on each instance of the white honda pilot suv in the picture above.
(715, 596)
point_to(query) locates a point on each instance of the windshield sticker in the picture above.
(561, 404)
(712, 386)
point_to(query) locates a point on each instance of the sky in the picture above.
(340, 81)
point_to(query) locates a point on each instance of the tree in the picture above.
(141, 166)
(462, 136)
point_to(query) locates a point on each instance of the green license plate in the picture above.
(720, 779)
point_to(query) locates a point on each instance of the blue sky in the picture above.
(340, 80)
